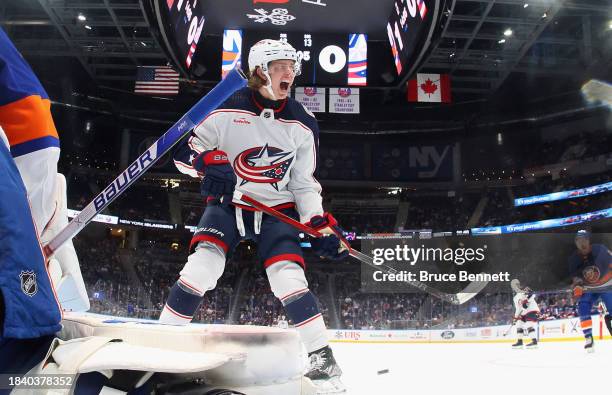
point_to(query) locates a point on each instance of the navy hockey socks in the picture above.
(180, 306)
(308, 321)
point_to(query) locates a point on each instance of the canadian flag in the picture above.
(429, 88)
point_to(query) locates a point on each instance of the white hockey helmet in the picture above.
(516, 285)
(265, 51)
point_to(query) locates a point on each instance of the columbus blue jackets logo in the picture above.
(28, 282)
(263, 165)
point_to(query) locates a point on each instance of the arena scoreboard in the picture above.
(180, 24)
(410, 29)
(327, 59)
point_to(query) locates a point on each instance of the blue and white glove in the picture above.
(332, 245)
(218, 177)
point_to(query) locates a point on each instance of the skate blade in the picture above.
(590, 350)
(517, 348)
(331, 386)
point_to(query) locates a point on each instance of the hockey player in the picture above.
(526, 313)
(265, 144)
(32, 206)
(590, 265)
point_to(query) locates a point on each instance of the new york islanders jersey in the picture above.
(272, 146)
(595, 268)
(25, 117)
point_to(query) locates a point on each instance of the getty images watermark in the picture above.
(436, 258)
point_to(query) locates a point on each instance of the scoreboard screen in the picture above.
(410, 28)
(180, 24)
(327, 59)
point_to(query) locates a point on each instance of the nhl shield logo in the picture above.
(28, 282)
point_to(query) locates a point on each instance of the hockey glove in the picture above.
(218, 177)
(332, 245)
(578, 291)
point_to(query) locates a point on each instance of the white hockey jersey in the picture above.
(272, 147)
(525, 303)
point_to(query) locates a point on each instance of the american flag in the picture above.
(156, 80)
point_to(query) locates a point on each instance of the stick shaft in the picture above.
(368, 260)
(221, 92)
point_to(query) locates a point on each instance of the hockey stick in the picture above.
(221, 92)
(459, 298)
(507, 332)
(606, 287)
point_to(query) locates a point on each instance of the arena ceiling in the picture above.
(549, 39)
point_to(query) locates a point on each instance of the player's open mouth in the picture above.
(284, 86)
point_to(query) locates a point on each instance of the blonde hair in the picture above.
(254, 80)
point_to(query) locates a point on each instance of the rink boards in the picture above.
(548, 331)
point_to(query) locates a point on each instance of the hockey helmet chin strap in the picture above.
(268, 85)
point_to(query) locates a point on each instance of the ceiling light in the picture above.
(508, 32)
(144, 44)
(503, 40)
(81, 17)
(87, 27)
(544, 15)
(525, 5)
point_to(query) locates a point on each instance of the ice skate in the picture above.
(589, 343)
(324, 372)
(532, 345)
(518, 345)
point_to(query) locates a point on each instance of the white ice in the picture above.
(474, 369)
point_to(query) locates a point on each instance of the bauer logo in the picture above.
(447, 335)
(125, 178)
(182, 126)
(210, 230)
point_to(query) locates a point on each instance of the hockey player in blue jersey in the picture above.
(264, 144)
(590, 265)
(32, 209)
(29, 310)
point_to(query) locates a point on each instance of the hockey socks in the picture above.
(587, 326)
(181, 305)
(308, 321)
(608, 320)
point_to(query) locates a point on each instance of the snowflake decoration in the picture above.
(278, 16)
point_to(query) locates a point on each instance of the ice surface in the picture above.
(472, 369)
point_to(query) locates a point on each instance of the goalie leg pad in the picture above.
(68, 281)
